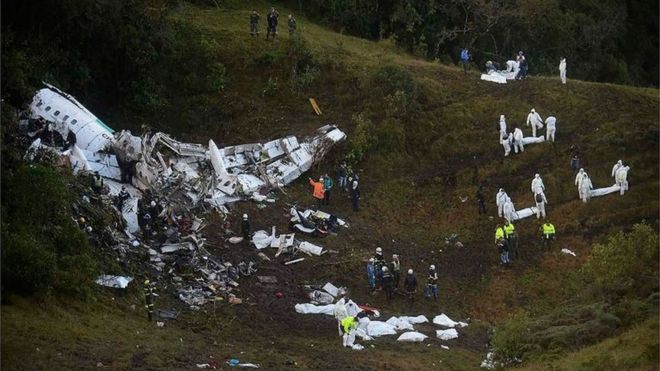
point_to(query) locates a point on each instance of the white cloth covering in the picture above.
(412, 336)
(447, 334)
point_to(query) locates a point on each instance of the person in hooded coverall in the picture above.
(578, 181)
(502, 124)
(622, 178)
(371, 274)
(500, 199)
(505, 141)
(585, 187)
(349, 325)
(318, 191)
(509, 209)
(517, 140)
(537, 183)
(617, 166)
(340, 313)
(550, 128)
(541, 201)
(562, 70)
(535, 120)
(512, 239)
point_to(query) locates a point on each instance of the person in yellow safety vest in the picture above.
(349, 326)
(148, 298)
(548, 233)
(512, 239)
(499, 233)
(318, 192)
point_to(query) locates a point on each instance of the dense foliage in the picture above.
(609, 41)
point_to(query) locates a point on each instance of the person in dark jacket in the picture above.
(480, 200)
(388, 283)
(410, 285)
(292, 25)
(272, 23)
(245, 227)
(355, 195)
(254, 23)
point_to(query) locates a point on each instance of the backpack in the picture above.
(539, 198)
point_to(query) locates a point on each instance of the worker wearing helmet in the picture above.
(432, 283)
(148, 298)
(245, 227)
(410, 285)
(388, 283)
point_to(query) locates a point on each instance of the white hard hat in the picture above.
(384, 269)
(371, 260)
(320, 179)
(378, 249)
(355, 183)
(432, 266)
(153, 203)
(245, 216)
(410, 271)
(395, 256)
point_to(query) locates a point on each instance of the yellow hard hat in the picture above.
(146, 282)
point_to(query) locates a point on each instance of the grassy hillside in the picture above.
(422, 136)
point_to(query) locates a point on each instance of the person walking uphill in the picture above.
(292, 25)
(318, 191)
(272, 23)
(327, 186)
(562, 70)
(254, 23)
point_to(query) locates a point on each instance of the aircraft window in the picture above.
(57, 113)
(226, 184)
(47, 108)
(40, 104)
(66, 117)
(74, 121)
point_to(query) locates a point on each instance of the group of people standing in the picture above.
(272, 19)
(519, 64)
(347, 182)
(383, 276)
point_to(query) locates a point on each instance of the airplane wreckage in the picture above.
(189, 175)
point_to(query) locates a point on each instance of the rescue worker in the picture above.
(254, 23)
(342, 174)
(481, 200)
(550, 128)
(499, 233)
(547, 233)
(537, 183)
(432, 283)
(395, 269)
(355, 195)
(327, 187)
(617, 166)
(122, 198)
(541, 201)
(503, 249)
(500, 199)
(349, 325)
(98, 182)
(578, 181)
(505, 141)
(562, 70)
(245, 227)
(509, 209)
(410, 285)
(585, 188)
(517, 140)
(535, 120)
(575, 162)
(340, 313)
(379, 263)
(148, 298)
(388, 282)
(272, 23)
(622, 178)
(371, 274)
(512, 239)
(292, 25)
(502, 124)
(465, 57)
(318, 191)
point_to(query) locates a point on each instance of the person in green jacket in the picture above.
(328, 183)
(349, 326)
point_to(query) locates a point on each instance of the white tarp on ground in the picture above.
(493, 76)
(400, 324)
(412, 336)
(444, 320)
(261, 239)
(316, 309)
(380, 328)
(532, 140)
(524, 213)
(310, 248)
(604, 191)
(114, 281)
(415, 320)
(447, 334)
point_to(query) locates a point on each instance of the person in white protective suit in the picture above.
(505, 141)
(537, 183)
(500, 199)
(562, 70)
(517, 140)
(535, 120)
(340, 313)
(502, 124)
(578, 180)
(349, 327)
(617, 166)
(509, 210)
(622, 178)
(550, 128)
(511, 66)
(585, 188)
(541, 201)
